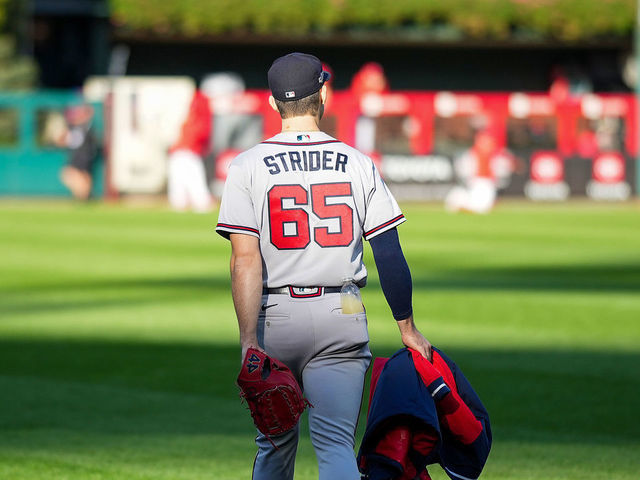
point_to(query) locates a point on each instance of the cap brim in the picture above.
(326, 76)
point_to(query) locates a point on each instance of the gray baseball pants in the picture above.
(328, 353)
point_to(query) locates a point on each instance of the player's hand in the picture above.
(247, 345)
(412, 338)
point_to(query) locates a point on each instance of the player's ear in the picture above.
(272, 102)
(323, 94)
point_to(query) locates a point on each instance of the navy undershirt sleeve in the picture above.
(395, 277)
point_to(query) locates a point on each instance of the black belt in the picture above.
(300, 292)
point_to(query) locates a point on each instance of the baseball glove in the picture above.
(272, 393)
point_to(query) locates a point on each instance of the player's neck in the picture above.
(306, 123)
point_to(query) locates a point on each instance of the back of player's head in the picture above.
(295, 81)
(296, 76)
(305, 106)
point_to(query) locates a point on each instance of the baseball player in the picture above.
(187, 182)
(296, 208)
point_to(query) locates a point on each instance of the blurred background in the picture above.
(118, 336)
(534, 97)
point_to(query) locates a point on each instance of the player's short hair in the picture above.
(299, 108)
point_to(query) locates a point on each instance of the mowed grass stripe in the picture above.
(118, 343)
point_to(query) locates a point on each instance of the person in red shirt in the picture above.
(367, 85)
(187, 177)
(369, 79)
(483, 149)
(479, 195)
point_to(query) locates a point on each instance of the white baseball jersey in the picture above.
(310, 199)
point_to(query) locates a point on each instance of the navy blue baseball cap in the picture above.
(296, 76)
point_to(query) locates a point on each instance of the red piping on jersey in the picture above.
(238, 227)
(393, 220)
(301, 143)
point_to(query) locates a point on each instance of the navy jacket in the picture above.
(402, 396)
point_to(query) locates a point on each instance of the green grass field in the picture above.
(118, 343)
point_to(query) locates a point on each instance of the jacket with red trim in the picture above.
(420, 414)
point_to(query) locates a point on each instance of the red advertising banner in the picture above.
(547, 177)
(609, 178)
(424, 142)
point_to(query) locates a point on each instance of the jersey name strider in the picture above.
(310, 199)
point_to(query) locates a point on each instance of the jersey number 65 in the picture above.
(290, 226)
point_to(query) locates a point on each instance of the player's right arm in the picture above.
(246, 287)
(237, 222)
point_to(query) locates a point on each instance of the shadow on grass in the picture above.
(200, 283)
(149, 290)
(72, 295)
(159, 389)
(570, 278)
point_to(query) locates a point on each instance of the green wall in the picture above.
(26, 166)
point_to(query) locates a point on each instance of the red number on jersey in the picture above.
(288, 218)
(290, 226)
(342, 211)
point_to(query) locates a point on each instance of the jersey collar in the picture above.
(301, 137)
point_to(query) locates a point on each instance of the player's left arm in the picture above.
(246, 287)
(395, 280)
(412, 338)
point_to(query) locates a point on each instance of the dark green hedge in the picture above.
(3, 12)
(568, 20)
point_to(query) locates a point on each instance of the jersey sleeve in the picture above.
(237, 214)
(383, 212)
